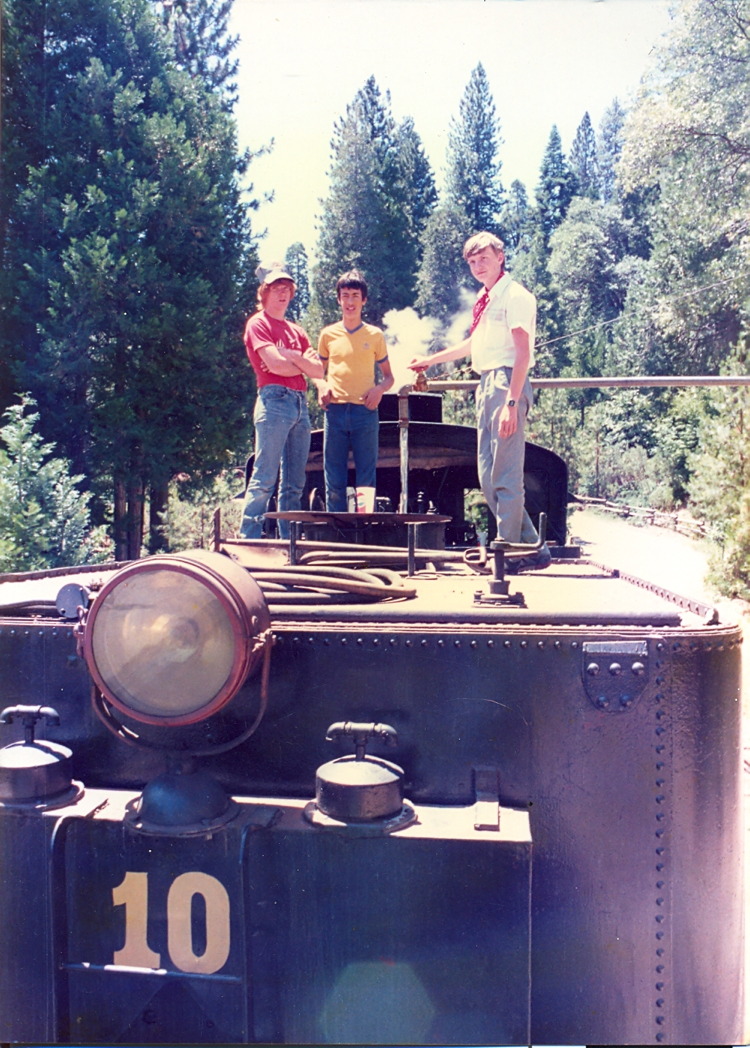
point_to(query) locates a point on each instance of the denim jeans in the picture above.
(348, 426)
(282, 439)
(500, 459)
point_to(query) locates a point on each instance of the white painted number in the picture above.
(132, 893)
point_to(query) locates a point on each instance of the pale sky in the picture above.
(302, 62)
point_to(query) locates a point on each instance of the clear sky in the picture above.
(302, 62)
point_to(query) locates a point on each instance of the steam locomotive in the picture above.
(369, 786)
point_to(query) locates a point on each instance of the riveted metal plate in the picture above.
(614, 673)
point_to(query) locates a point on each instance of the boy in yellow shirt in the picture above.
(351, 350)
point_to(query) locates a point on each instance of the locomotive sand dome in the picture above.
(423, 802)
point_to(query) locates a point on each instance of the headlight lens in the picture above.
(170, 639)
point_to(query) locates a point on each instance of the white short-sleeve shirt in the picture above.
(510, 306)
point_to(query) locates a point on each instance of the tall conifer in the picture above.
(515, 219)
(128, 249)
(557, 186)
(296, 264)
(371, 216)
(202, 45)
(584, 160)
(609, 147)
(474, 184)
(443, 271)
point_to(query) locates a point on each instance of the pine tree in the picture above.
(557, 186)
(44, 517)
(131, 246)
(584, 161)
(417, 184)
(369, 217)
(296, 264)
(473, 183)
(202, 46)
(515, 219)
(443, 272)
(609, 147)
(531, 268)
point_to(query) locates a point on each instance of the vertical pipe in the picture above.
(411, 530)
(403, 446)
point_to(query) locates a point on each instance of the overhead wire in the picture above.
(620, 318)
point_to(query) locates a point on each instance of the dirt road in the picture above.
(671, 560)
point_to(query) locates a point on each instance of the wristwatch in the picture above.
(510, 403)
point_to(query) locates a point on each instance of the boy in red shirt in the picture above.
(283, 360)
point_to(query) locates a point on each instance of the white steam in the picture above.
(408, 335)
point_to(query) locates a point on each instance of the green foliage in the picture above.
(557, 186)
(296, 265)
(129, 250)
(615, 454)
(201, 44)
(677, 436)
(380, 192)
(191, 511)
(474, 185)
(631, 446)
(554, 422)
(531, 268)
(609, 147)
(44, 517)
(458, 405)
(688, 142)
(515, 220)
(554, 193)
(476, 512)
(416, 185)
(720, 480)
(590, 281)
(443, 273)
(584, 159)
(585, 253)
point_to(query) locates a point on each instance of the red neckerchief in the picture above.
(479, 307)
(481, 304)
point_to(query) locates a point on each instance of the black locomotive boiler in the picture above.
(369, 786)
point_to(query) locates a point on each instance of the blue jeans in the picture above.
(348, 426)
(282, 440)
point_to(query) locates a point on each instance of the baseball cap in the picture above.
(271, 272)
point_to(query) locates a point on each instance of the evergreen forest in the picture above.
(128, 248)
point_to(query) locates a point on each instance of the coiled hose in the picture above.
(304, 584)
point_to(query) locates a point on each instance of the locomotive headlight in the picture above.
(170, 639)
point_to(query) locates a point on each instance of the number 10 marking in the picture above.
(132, 893)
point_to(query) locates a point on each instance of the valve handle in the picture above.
(523, 548)
(362, 733)
(29, 715)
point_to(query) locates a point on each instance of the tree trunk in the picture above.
(120, 522)
(135, 518)
(158, 527)
(128, 522)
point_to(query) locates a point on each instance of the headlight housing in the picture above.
(170, 639)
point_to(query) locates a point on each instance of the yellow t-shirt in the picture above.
(350, 358)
